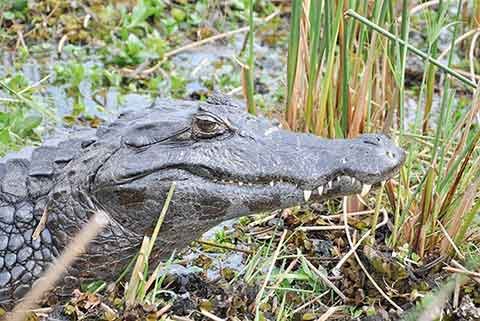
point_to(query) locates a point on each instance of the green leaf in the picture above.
(8, 15)
(28, 124)
(178, 14)
(5, 137)
(4, 119)
(20, 5)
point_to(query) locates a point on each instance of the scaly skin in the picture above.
(225, 162)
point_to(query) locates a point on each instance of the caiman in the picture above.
(226, 164)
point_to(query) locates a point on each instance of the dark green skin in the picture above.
(222, 159)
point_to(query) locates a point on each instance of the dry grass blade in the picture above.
(336, 269)
(361, 97)
(270, 269)
(161, 218)
(211, 316)
(465, 270)
(197, 44)
(420, 7)
(281, 277)
(76, 247)
(360, 263)
(450, 241)
(459, 40)
(456, 183)
(325, 279)
(320, 228)
(471, 55)
(463, 207)
(378, 202)
(464, 127)
(136, 277)
(138, 285)
(421, 225)
(179, 318)
(314, 300)
(328, 313)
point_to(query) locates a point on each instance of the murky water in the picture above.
(209, 67)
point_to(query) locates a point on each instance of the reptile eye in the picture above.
(206, 126)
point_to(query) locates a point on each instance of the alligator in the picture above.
(225, 162)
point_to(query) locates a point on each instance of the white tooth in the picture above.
(231, 182)
(353, 180)
(306, 195)
(271, 183)
(250, 184)
(338, 179)
(240, 183)
(365, 189)
(330, 185)
(320, 190)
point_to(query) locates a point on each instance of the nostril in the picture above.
(276, 122)
(390, 154)
(370, 142)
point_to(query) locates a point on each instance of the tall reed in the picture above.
(346, 76)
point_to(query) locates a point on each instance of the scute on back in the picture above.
(30, 172)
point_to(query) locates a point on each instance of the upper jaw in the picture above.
(342, 185)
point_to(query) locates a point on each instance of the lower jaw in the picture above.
(333, 189)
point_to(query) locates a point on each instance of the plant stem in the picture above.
(416, 51)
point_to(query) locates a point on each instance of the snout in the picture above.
(395, 154)
(378, 159)
(385, 145)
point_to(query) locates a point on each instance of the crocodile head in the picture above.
(227, 163)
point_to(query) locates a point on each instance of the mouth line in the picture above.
(335, 184)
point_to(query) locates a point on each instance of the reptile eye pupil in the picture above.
(206, 125)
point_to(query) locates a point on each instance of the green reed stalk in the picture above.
(249, 73)
(293, 44)
(432, 32)
(416, 51)
(314, 41)
(327, 80)
(446, 99)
